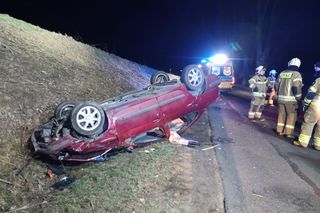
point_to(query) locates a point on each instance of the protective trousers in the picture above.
(256, 107)
(270, 96)
(311, 119)
(287, 117)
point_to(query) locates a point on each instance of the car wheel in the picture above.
(64, 109)
(159, 77)
(193, 77)
(88, 118)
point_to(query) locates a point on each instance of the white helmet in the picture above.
(294, 62)
(259, 69)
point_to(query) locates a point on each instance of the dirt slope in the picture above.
(39, 69)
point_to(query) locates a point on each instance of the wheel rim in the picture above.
(195, 77)
(88, 118)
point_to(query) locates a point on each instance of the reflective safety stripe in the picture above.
(298, 95)
(258, 114)
(258, 94)
(286, 98)
(317, 141)
(251, 85)
(304, 139)
(307, 101)
(312, 89)
(289, 126)
(280, 124)
(261, 82)
(251, 115)
(285, 75)
(297, 79)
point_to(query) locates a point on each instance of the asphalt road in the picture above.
(260, 171)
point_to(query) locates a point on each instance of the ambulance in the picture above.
(221, 66)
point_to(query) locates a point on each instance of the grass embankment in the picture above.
(128, 182)
(38, 70)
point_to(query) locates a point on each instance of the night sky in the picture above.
(167, 34)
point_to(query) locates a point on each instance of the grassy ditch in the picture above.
(38, 70)
(128, 182)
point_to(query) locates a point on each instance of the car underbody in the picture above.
(87, 131)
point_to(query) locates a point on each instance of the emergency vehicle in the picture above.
(221, 66)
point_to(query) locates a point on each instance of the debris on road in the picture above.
(63, 183)
(175, 138)
(257, 195)
(56, 169)
(50, 174)
(176, 124)
(211, 147)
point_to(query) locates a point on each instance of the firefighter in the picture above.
(288, 89)
(311, 107)
(271, 87)
(258, 84)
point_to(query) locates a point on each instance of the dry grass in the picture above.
(128, 182)
(38, 70)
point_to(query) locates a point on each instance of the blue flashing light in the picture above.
(219, 59)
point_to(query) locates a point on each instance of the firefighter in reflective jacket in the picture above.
(311, 106)
(258, 84)
(288, 89)
(271, 87)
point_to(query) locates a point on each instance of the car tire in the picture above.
(88, 119)
(193, 77)
(159, 77)
(64, 109)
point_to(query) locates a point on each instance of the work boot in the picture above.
(290, 136)
(317, 148)
(298, 143)
(280, 133)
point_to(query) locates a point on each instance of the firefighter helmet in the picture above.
(294, 62)
(272, 72)
(260, 70)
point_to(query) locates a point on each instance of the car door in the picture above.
(138, 116)
(175, 102)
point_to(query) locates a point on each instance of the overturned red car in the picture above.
(87, 131)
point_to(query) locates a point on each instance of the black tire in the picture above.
(64, 109)
(159, 77)
(88, 119)
(193, 77)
